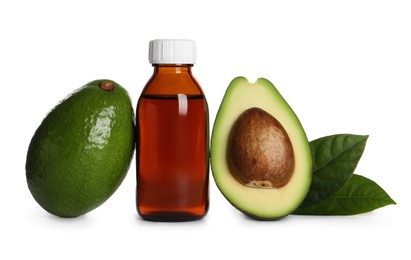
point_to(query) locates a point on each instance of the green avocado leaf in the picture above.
(358, 195)
(334, 159)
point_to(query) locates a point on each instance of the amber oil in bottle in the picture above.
(172, 137)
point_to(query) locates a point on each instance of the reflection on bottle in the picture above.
(182, 104)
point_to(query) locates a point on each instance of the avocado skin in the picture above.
(82, 150)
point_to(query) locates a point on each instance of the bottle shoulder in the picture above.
(172, 82)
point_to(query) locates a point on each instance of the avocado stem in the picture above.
(106, 85)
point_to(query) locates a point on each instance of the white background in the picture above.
(344, 67)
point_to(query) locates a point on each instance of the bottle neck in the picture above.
(172, 68)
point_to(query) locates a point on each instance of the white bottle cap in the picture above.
(172, 51)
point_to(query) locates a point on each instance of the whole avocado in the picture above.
(82, 150)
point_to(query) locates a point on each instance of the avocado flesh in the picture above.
(82, 150)
(255, 202)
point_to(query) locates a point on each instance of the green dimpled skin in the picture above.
(82, 150)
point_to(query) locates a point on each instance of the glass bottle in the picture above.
(172, 137)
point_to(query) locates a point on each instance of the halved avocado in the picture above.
(260, 155)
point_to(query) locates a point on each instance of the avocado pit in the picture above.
(259, 151)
